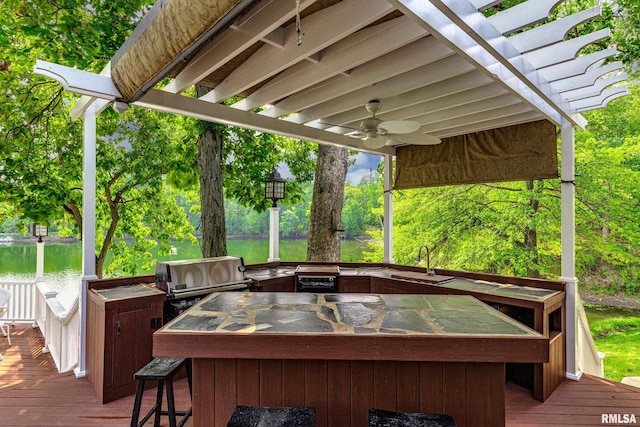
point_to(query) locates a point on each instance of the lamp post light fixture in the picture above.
(274, 188)
(274, 191)
(39, 231)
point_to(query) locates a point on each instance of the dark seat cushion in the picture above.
(382, 418)
(262, 416)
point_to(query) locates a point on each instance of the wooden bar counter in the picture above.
(346, 353)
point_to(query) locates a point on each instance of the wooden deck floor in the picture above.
(32, 393)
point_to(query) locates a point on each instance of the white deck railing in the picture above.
(21, 304)
(590, 360)
(36, 303)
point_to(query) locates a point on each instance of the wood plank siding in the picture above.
(32, 393)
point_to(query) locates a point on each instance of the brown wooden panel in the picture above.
(484, 394)
(554, 371)
(408, 387)
(453, 391)
(281, 284)
(362, 391)
(225, 390)
(124, 365)
(271, 386)
(431, 388)
(293, 373)
(203, 392)
(248, 375)
(353, 284)
(316, 389)
(339, 392)
(498, 402)
(384, 385)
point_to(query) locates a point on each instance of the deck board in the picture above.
(33, 393)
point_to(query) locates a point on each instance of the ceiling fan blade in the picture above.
(415, 138)
(398, 126)
(377, 142)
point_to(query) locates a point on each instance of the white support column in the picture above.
(88, 229)
(568, 249)
(39, 261)
(388, 210)
(274, 234)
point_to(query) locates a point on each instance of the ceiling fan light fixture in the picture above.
(375, 143)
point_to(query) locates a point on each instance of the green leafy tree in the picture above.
(41, 150)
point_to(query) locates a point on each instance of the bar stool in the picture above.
(162, 370)
(258, 416)
(382, 418)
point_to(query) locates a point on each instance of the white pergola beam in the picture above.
(415, 55)
(601, 100)
(218, 113)
(616, 95)
(552, 32)
(489, 124)
(576, 66)
(564, 51)
(595, 90)
(78, 81)
(472, 87)
(474, 117)
(587, 79)
(345, 17)
(359, 48)
(522, 15)
(463, 28)
(262, 20)
(406, 82)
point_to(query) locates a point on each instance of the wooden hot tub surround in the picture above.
(344, 353)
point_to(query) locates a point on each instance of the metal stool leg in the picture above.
(136, 405)
(158, 407)
(171, 406)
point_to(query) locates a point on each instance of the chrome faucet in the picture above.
(430, 272)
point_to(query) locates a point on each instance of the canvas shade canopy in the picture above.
(305, 69)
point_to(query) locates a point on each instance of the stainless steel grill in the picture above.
(187, 281)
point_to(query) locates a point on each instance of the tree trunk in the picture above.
(326, 205)
(214, 233)
(531, 234)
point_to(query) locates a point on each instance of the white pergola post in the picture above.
(568, 249)
(88, 228)
(388, 210)
(274, 234)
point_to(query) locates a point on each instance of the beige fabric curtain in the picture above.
(169, 28)
(513, 153)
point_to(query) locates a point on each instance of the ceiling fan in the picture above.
(377, 133)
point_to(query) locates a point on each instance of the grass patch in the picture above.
(608, 327)
(622, 351)
(619, 339)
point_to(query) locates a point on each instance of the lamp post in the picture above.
(39, 231)
(274, 190)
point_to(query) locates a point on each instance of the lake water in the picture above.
(63, 261)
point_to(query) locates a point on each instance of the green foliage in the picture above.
(41, 152)
(360, 204)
